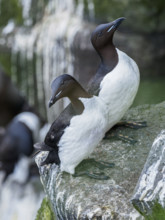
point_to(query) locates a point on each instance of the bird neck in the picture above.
(109, 56)
(76, 102)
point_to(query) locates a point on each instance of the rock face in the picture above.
(149, 197)
(86, 198)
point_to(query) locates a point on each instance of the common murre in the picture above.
(116, 83)
(18, 139)
(74, 137)
(117, 78)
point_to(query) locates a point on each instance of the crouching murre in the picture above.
(76, 132)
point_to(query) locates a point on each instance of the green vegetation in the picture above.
(156, 213)
(10, 10)
(151, 91)
(142, 15)
(45, 212)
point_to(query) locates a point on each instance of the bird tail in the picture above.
(41, 147)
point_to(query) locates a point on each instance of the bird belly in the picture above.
(119, 87)
(80, 138)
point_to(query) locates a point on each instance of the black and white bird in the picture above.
(74, 136)
(117, 78)
(80, 127)
(18, 139)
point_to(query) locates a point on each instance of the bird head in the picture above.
(61, 87)
(103, 34)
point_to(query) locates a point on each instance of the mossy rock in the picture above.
(156, 213)
(45, 212)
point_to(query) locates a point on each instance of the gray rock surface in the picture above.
(149, 197)
(86, 198)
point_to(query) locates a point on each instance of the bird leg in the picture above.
(131, 124)
(125, 138)
(122, 137)
(101, 164)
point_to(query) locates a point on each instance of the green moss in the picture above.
(150, 210)
(10, 10)
(45, 212)
(158, 213)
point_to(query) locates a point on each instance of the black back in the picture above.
(16, 141)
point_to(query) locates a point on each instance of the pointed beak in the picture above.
(116, 24)
(51, 102)
(54, 99)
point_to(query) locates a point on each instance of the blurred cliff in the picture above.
(40, 40)
(11, 102)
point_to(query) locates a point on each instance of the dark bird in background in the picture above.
(17, 140)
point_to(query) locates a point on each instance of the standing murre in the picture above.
(74, 137)
(117, 78)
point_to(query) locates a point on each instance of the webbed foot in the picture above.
(129, 124)
(84, 169)
(126, 138)
(132, 124)
(122, 137)
(101, 164)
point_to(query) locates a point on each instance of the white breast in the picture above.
(117, 92)
(32, 121)
(119, 87)
(83, 134)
